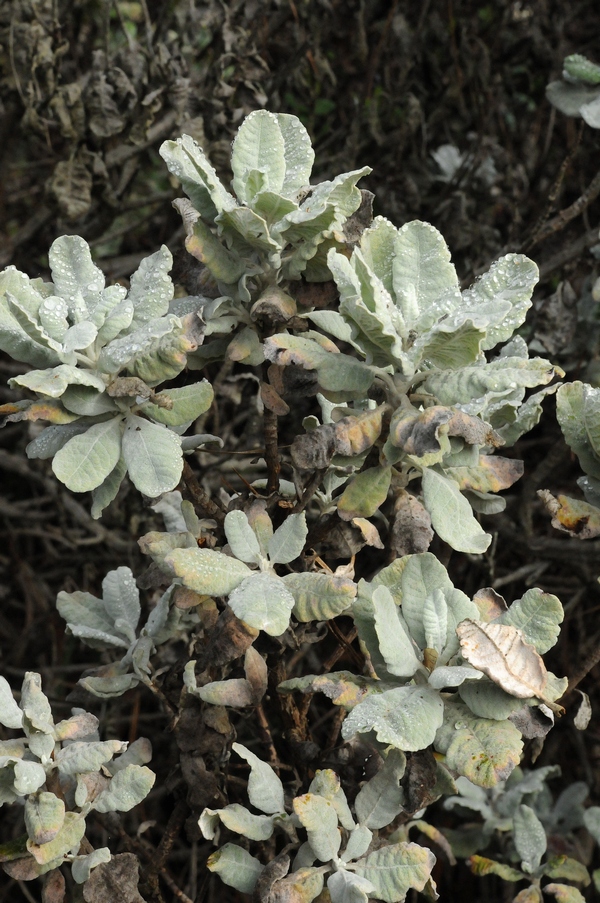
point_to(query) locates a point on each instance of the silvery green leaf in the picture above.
(85, 461)
(87, 618)
(73, 271)
(29, 777)
(121, 598)
(189, 402)
(44, 816)
(512, 278)
(502, 375)
(298, 154)
(272, 207)
(67, 840)
(481, 749)
(207, 571)
(346, 887)
(241, 538)
(538, 616)
(126, 789)
(18, 343)
(591, 112)
(332, 322)
(87, 402)
(452, 676)
(100, 306)
(80, 726)
(377, 245)
(225, 265)
(395, 643)
(54, 381)
(105, 687)
(137, 753)
(288, 540)
(341, 193)
(423, 276)
(578, 412)
(235, 692)
(569, 98)
(263, 601)
(28, 324)
(186, 160)
(104, 494)
(252, 227)
(79, 336)
(151, 287)
(319, 597)
(451, 515)
(80, 757)
(52, 314)
(484, 502)
(380, 800)
(118, 320)
(34, 703)
(303, 231)
(10, 713)
(236, 867)
(405, 717)
(447, 347)
(486, 699)
(153, 456)
(337, 373)
(122, 351)
(326, 783)
(395, 869)
(82, 866)
(358, 841)
(319, 817)
(258, 145)
(265, 790)
(435, 620)
(591, 819)
(238, 819)
(530, 838)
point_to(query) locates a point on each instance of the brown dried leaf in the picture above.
(128, 387)
(273, 401)
(115, 881)
(419, 780)
(54, 887)
(423, 434)
(293, 381)
(315, 294)
(492, 474)
(274, 304)
(369, 532)
(71, 186)
(572, 516)
(500, 651)
(51, 410)
(490, 604)
(228, 641)
(273, 872)
(255, 669)
(411, 531)
(349, 437)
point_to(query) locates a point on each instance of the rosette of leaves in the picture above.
(100, 352)
(275, 229)
(246, 572)
(427, 344)
(578, 413)
(578, 92)
(111, 623)
(60, 772)
(530, 824)
(446, 671)
(341, 850)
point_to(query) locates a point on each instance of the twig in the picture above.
(173, 887)
(262, 720)
(565, 216)
(157, 862)
(271, 451)
(309, 490)
(589, 662)
(571, 252)
(205, 505)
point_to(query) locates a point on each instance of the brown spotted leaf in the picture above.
(342, 687)
(349, 437)
(491, 604)
(572, 516)
(492, 474)
(501, 652)
(411, 531)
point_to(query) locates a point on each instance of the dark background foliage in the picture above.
(88, 91)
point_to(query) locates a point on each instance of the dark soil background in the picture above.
(88, 91)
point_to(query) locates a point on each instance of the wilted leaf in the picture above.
(479, 865)
(338, 374)
(68, 838)
(564, 893)
(54, 889)
(236, 692)
(342, 687)
(115, 881)
(411, 530)
(395, 869)
(44, 816)
(501, 652)
(491, 604)
(584, 712)
(572, 515)
(491, 474)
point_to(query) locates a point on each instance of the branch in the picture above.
(565, 216)
(271, 451)
(201, 501)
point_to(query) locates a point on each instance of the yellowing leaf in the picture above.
(501, 652)
(365, 493)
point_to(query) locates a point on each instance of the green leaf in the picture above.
(189, 402)
(591, 819)
(406, 717)
(54, 381)
(578, 66)
(44, 816)
(451, 515)
(236, 867)
(380, 800)
(423, 275)
(236, 692)
(287, 542)
(258, 145)
(82, 866)
(68, 838)
(326, 783)
(483, 750)
(73, 270)
(449, 348)
(501, 377)
(10, 713)
(564, 893)
(512, 279)
(346, 887)
(395, 869)
(529, 837)
(238, 819)
(87, 402)
(153, 456)
(298, 154)
(127, 789)
(206, 571)
(85, 461)
(130, 349)
(104, 494)
(30, 776)
(359, 841)
(151, 287)
(365, 493)
(578, 412)
(319, 597)
(538, 616)
(242, 538)
(265, 790)
(82, 757)
(263, 601)
(395, 643)
(121, 599)
(445, 676)
(487, 700)
(186, 160)
(319, 817)
(35, 704)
